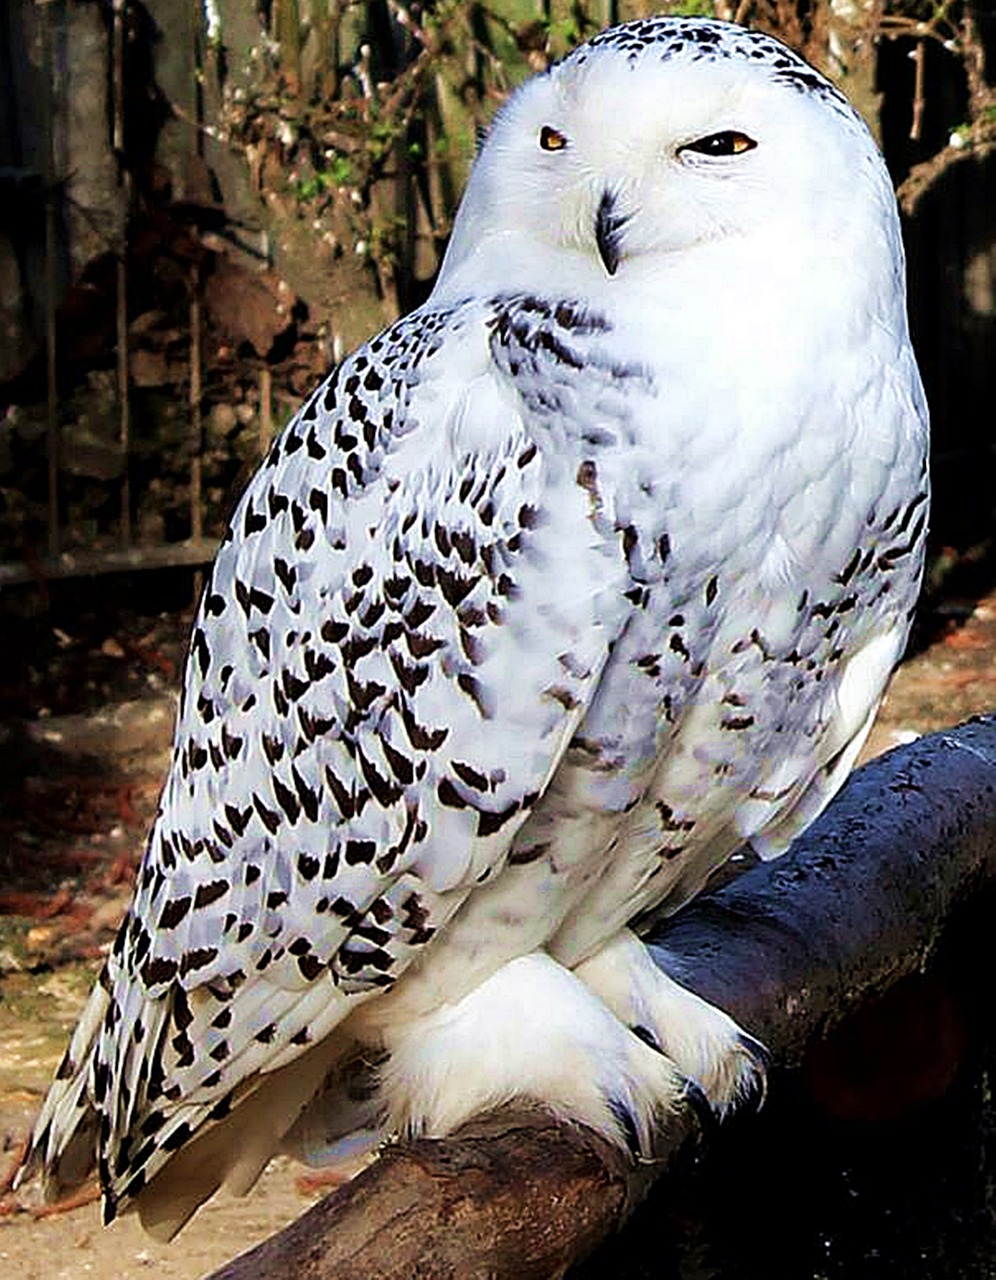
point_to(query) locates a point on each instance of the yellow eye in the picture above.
(551, 139)
(727, 143)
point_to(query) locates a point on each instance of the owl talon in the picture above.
(753, 1083)
(695, 1097)
(647, 1036)
(705, 1044)
(510, 1038)
(628, 1126)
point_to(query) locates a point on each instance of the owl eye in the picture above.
(727, 143)
(551, 139)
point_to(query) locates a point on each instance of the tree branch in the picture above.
(788, 949)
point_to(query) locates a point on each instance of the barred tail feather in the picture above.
(63, 1145)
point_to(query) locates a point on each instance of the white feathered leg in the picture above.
(704, 1043)
(531, 1031)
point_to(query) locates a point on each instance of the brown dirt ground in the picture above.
(79, 790)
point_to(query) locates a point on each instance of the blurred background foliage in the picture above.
(365, 116)
(204, 203)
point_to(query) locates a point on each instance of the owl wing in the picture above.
(405, 622)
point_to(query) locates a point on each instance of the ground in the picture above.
(85, 721)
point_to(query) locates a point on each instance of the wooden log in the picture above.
(788, 949)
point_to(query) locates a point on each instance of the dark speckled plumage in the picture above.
(551, 595)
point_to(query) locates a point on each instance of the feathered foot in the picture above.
(706, 1045)
(531, 1031)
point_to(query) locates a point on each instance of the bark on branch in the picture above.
(787, 949)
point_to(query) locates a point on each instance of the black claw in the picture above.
(697, 1100)
(647, 1036)
(761, 1059)
(626, 1121)
(758, 1051)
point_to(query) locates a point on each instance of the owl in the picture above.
(583, 575)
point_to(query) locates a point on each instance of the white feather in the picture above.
(552, 594)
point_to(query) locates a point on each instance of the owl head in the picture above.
(669, 143)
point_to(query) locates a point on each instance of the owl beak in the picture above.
(609, 226)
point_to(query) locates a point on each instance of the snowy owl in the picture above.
(584, 574)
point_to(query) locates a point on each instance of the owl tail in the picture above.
(63, 1145)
